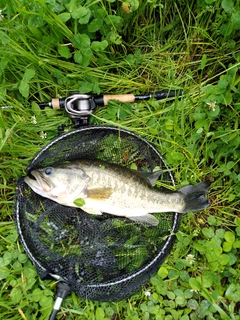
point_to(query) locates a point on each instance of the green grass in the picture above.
(54, 48)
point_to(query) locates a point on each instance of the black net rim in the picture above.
(145, 273)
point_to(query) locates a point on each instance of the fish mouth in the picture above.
(38, 181)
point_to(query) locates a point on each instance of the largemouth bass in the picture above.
(104, 187)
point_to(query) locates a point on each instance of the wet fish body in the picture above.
(113, 189)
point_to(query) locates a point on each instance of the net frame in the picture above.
(118, 287)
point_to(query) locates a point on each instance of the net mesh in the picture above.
(105, 257)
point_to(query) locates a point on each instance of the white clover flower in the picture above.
(147, 293)
(193, 290)
(212, 105)
(190, 258)
(43, 135)
(33, 120)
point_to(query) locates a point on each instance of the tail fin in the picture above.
(194, 196)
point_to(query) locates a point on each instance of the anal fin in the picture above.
(147, 218)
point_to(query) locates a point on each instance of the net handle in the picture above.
(63, 290)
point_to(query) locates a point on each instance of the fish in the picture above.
(104, 187)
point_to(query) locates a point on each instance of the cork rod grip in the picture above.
(55, 103)
(119, 97)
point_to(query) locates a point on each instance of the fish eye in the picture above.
(48, 171)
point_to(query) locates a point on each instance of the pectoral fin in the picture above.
(63, 197)
(147, 218)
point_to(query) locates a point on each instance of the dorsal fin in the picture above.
(149, 177)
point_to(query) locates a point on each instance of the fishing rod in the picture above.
(80, 106)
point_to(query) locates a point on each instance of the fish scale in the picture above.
(123, 189)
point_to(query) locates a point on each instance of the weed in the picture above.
(53, 48)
